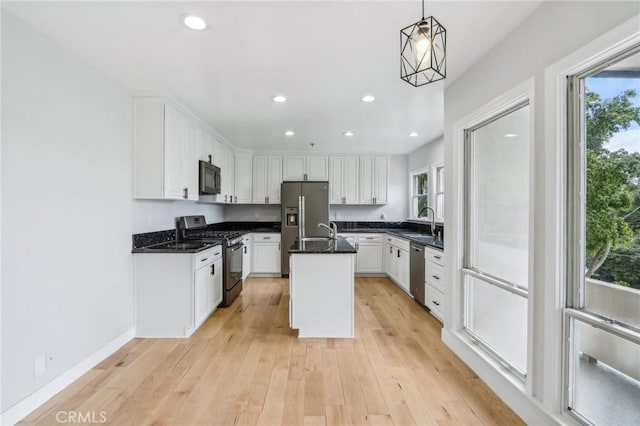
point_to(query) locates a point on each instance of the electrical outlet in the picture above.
(39, 365)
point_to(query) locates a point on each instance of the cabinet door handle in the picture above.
(390, 250)
(436, 277)
(435, 303)
(210, 161)
(185, 194)
(278, 246)
(305, 176)
(398, 253)
(245, 249)
(225, 198)
(357, 246)
(213, 269)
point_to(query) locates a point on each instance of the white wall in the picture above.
(158, 215)
(67, 211)
(428, 155)
(554, 31)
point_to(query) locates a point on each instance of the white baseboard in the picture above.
(23, 408)
(500, 381)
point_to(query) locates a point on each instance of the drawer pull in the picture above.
(435, 303)
(368, 238)
(217, 254)
(436, 277)
(204, 260)
(437, 257)
(266, 238)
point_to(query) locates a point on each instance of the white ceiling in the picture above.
(324, 56)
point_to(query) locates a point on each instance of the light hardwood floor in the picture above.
(245, 366)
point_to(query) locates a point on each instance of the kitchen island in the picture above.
(321, 282)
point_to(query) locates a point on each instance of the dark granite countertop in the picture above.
(172, 247)
(424, 238)
(338, 246)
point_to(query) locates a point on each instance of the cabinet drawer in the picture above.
(397, 242)
(351, 238)
(207, 257)
(267, 238)
(434, 275)
(435, 256)
(369, 238)
(434, 299)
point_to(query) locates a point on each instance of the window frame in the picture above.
(436, 185)
(574, 308)
(413, 196)
(467, 270)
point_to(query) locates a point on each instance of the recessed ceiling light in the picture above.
(289, 133)
(348, 133)
(194, 22)
(279, 99)
(511, 135)
(368, 98)
(413, 134)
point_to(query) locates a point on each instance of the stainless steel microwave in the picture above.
(209, 178)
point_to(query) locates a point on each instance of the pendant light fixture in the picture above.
(423, 51)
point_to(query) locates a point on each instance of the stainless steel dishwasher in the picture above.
(417, 272)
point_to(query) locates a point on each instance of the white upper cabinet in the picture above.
(381, 180)
(243, 180)
(374, 175)
(274, 179)
(317, 168)
(267, 177)
(165, 151)
(305, 168)
(293, 168)
(343, 180)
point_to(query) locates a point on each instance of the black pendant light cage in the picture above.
(422, 66)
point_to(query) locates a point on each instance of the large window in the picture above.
(496, 260)
(603, 298)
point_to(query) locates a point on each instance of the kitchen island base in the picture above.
(322, 297)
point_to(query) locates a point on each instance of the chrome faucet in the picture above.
(333, 229)
(433, 219)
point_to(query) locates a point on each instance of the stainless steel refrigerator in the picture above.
(304, 206)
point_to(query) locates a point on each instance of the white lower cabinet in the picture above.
(176, 293)
(247, 252)
(266, 253)
(369, 259)
(396, 253)
(433, 276)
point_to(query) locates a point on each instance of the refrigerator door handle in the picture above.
(301, 219)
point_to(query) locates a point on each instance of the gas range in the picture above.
(193, 229)
(229, 238)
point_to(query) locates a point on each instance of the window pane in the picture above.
(606, 374)
(499, 319)
(440, 206)
(613, 192)
(440, 179)
(499, 197)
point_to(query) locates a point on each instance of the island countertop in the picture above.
(338, 246)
